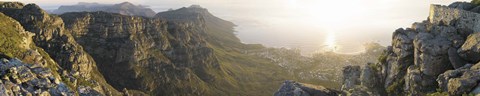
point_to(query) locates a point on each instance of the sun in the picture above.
(330, 42)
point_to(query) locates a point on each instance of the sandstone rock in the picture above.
(431, 54)
(434, 54)
(397, 63)
(368, 77)
(54, 39)
(464, 84)
(476, 90)
(87, 91)
(133, 44)
(455, 59)
(351, 76)
(24, 74)
(27, 83)
(418, 83)
(420, 26)
(359, 91)
(476, 9)
(413, 80)
(445, 77)
(470, 50)
(456, 37)
(292, 88)
(475, 67)
(462, 5)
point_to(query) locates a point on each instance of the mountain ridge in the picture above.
(187, 51)
(125, 8)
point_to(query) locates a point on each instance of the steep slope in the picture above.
(151, 55)
(41, 76)
(250, 72)
(188, 55)
(125, 8)
(59, 44)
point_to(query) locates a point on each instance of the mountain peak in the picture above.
(124, 8)
(195, 6)
(125, 4)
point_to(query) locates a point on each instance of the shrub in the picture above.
(476, 2)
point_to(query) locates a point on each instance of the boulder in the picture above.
(455, 59)
(401, 58)
(445, 77)
(360, 91)
(417, 83)
(464, 84)
(476, 90)
(431, 53)
(470, 50)
(476, 9)
(292, 88)
(351, 76)
(88, 91)
(462, 5)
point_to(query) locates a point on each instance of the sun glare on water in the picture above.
(330, 42)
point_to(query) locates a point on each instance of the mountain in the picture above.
(125, 8)
(187, 51)
(27, 69)
(435, 57)
(51, 37)
(138, 55)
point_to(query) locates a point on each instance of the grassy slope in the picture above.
(248, 74)
(11, 39)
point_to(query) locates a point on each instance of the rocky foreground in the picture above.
(438, 56)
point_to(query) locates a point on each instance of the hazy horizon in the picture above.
(309, 25)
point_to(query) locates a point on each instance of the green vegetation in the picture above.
(438, 94)
(67, 82)
(476, 2)
(396, 87)
(383, 57)
(10, 37)
(11, 42)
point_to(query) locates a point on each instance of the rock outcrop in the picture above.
(432, 57)
(41, 76)
(58, 43)
(30, 79)
(292, 88)
(125, 8)
(130, 49)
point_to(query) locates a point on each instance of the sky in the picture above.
(309, 25)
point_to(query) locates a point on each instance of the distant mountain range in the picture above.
(125, 8)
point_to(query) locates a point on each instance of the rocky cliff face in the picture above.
(34, 72)
(125, 8)
(292, 88)
(141, 53)
(433, 57)
(195, 55)
(59, 44)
